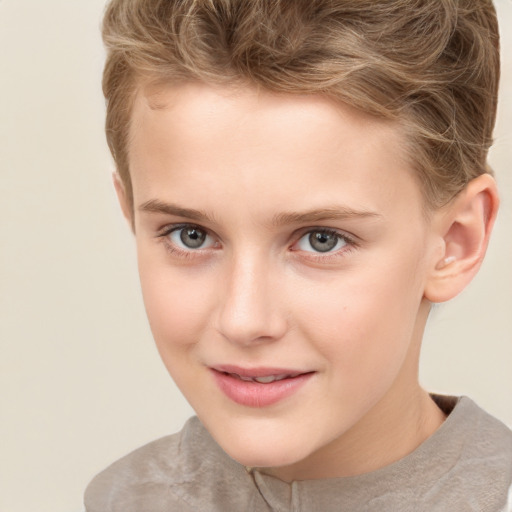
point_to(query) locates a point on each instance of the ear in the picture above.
(122, 198)
(463, 228)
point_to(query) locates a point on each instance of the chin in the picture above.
(268, 453)
(259, 459)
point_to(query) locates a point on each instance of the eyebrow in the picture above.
(280, 219)
(321, 214)
(156, 206)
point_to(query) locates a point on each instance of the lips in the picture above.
(264, 379)
(258, 387)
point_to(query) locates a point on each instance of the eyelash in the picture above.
(325, 257)
(164, 233)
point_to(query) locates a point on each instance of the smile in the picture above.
(263, 380)
(259, 387)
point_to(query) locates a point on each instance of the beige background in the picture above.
(81, 382)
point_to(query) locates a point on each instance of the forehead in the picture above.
(194, 106)
(232, 140)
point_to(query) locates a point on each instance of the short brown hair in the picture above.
(432, 65)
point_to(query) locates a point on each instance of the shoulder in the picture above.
(143, 472)
(465, 465)
(175, 473)
(484, 435)
(472, 453)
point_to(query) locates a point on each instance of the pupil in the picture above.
(322, 242)
(192, 237)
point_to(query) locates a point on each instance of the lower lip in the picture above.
(255, 394)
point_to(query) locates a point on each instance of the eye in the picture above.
(190, 238)
(322, 240)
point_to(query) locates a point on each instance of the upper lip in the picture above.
(260, 371)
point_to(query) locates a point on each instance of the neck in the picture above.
(378, 440)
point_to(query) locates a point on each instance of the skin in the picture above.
(258, 294)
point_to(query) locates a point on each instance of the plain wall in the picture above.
(81, 382)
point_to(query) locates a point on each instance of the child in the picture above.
(304, 180)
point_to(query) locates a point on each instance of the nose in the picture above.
(250, 310)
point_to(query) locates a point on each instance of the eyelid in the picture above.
(164, 232)
(352, 243)
(169, 228)
(306, 242)
(349, 237)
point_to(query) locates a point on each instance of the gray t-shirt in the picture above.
(466, 465)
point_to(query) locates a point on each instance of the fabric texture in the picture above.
(466, 465)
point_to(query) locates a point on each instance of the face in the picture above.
(283, 253)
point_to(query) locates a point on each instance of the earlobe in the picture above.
(123, 200)
(465, 226)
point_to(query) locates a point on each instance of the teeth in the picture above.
(270, 378)
(265, 380)
(262, 380)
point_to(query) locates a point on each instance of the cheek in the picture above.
(362, 324)
(176, 306)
